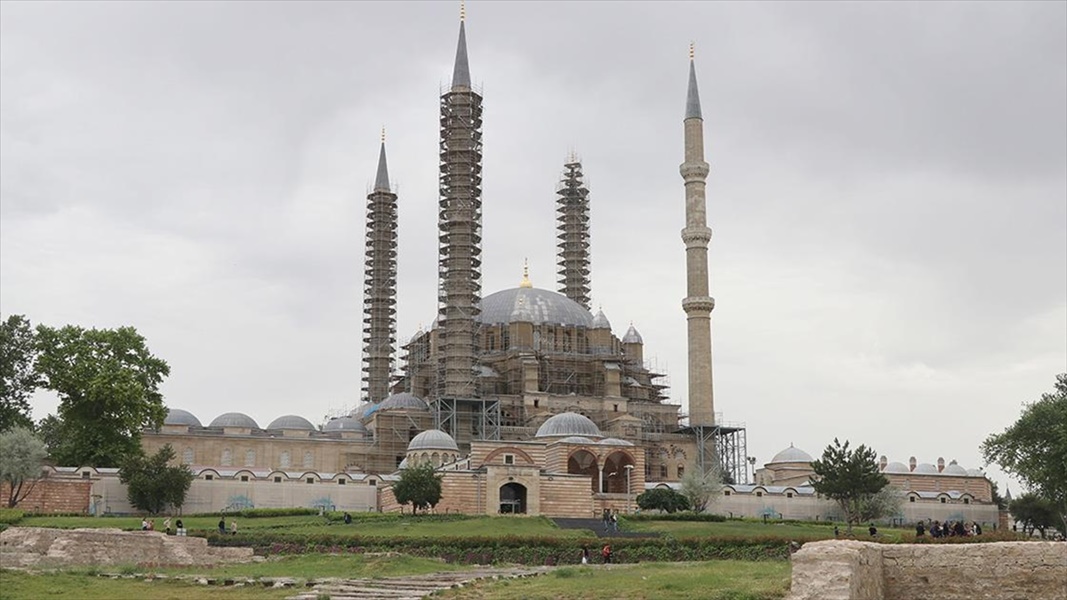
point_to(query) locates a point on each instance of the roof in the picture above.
(402, 401)
(575, 439)
(896, 467)
(381, 181)
(692, 95)
(347, 423)
(927, 468)
(568, 424)
(291, 422)
(791, 454)
(535, 306)
(234, 419)
(600, 321)
(615, 442)
(632, 337)
(461, 72)
(177, 416)
(433, 439)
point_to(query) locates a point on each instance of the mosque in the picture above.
(525, 400)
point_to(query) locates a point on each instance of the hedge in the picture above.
(10, 516)
(514, 549)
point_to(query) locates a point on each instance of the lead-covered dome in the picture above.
(792, 454)
(536, 306)
(177, 416)
(896, 467)
(234, 419)
(926, 468)
(433, 439)
(291, 422)
(954, 469)
(348, 423)
(402, 401)
(568, 423)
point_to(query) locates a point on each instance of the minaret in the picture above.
(572, 214)
(697, 304)
(379, 285)
(460, 226)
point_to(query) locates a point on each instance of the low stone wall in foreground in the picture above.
(851, 570)
(32, 547)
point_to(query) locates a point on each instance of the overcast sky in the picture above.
(888, 192)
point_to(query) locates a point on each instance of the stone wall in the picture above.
(37, 547)
(55, 496)
(850, 570)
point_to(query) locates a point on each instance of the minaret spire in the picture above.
(461, 72)
(379, 285)
(698, 303)
(381, 182)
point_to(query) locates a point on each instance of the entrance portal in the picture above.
(512, 498)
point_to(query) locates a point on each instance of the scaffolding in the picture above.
(724, 445)
(379, 289)
(572, 212)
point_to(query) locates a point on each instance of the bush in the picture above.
(10, 516)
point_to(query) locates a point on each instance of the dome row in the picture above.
(793, 454)
(177, 416)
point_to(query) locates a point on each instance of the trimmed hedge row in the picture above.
(515, 549)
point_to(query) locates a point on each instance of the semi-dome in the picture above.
(615, 442)
(402, 401)
(348, 423)
(568, 423)
(177, 416)
(576, 439)
(433, 439)
(536, 306)
(792, 454)
(234, 419)
(896, 467)
(926, 468)
(291, 422)
(632, 337)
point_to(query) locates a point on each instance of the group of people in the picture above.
(610, 519)
(605, 554)
(948, 529)
(222, 527)
(150, 525)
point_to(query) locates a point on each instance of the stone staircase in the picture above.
(409, 588)
(596, 526)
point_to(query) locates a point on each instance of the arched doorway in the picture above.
(583, 462)
(513, 498)
(618, 469)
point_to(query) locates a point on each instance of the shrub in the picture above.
(10, 516)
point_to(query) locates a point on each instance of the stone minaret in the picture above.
(379, 286)
(460, 225)
(572, 214)
(697, 304)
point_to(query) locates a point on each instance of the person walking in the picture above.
(585, 555)
(605, 553)
(222, 526)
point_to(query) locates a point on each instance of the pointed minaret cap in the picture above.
(632, 337)
(692, 98)
(461, 73)
(600, 320)
(381, 182)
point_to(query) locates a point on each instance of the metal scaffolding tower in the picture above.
(379, 286)
(722, 445)
(572, 212)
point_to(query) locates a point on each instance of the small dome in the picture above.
(926, 468)
(177, 416)
(291, 422)
(600, 321)
(568, 423)
(234, 419)
(975, 473)
(433, 439)
(896, 467)
(576, 439)
(348, 423)
(954, 469)
(632, 337)
(615, 442)
(402, 401)
(791, 454)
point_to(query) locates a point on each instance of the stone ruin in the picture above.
(37, 547)
(852, 570)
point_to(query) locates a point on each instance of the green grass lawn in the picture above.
(15, 585)
(712, 580)
(311, 566)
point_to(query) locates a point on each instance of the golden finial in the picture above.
(383, 134)
(462, 11)
(525, 283)
(692, 50)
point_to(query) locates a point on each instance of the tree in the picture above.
(108, 386)
(1035, 447)
(848, 477)
(1034, 512)
(18, 372)
(152, 483)
(664, 499)
(21, 455)
(419, 486)
(886, 502)
(700, 489)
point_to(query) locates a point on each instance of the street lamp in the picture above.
(629, 474)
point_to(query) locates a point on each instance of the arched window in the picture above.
(188, 456)
(285, 460)
(227, 457)
(436, 459)
(250, 458)
(309, 460)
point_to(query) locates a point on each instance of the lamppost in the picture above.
(629, 474)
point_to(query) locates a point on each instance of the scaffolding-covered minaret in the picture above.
(379, 286)
(572, 213)
(460, 225)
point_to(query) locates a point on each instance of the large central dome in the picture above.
(541, 306)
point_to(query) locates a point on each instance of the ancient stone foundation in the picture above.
(31, 547)
(851, 570)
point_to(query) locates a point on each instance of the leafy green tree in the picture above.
(1035, 447)
(152, 483)
(700, 489)
(848, 477)
(21, 457)
(419, 486)
(108, 386)
(664, 499)
(18, 373)
(886, 502)
(1035, 512)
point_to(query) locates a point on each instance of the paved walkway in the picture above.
(409, 588)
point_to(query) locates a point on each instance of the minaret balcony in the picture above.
(696, 237)
(698, 304)
(694, 171)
